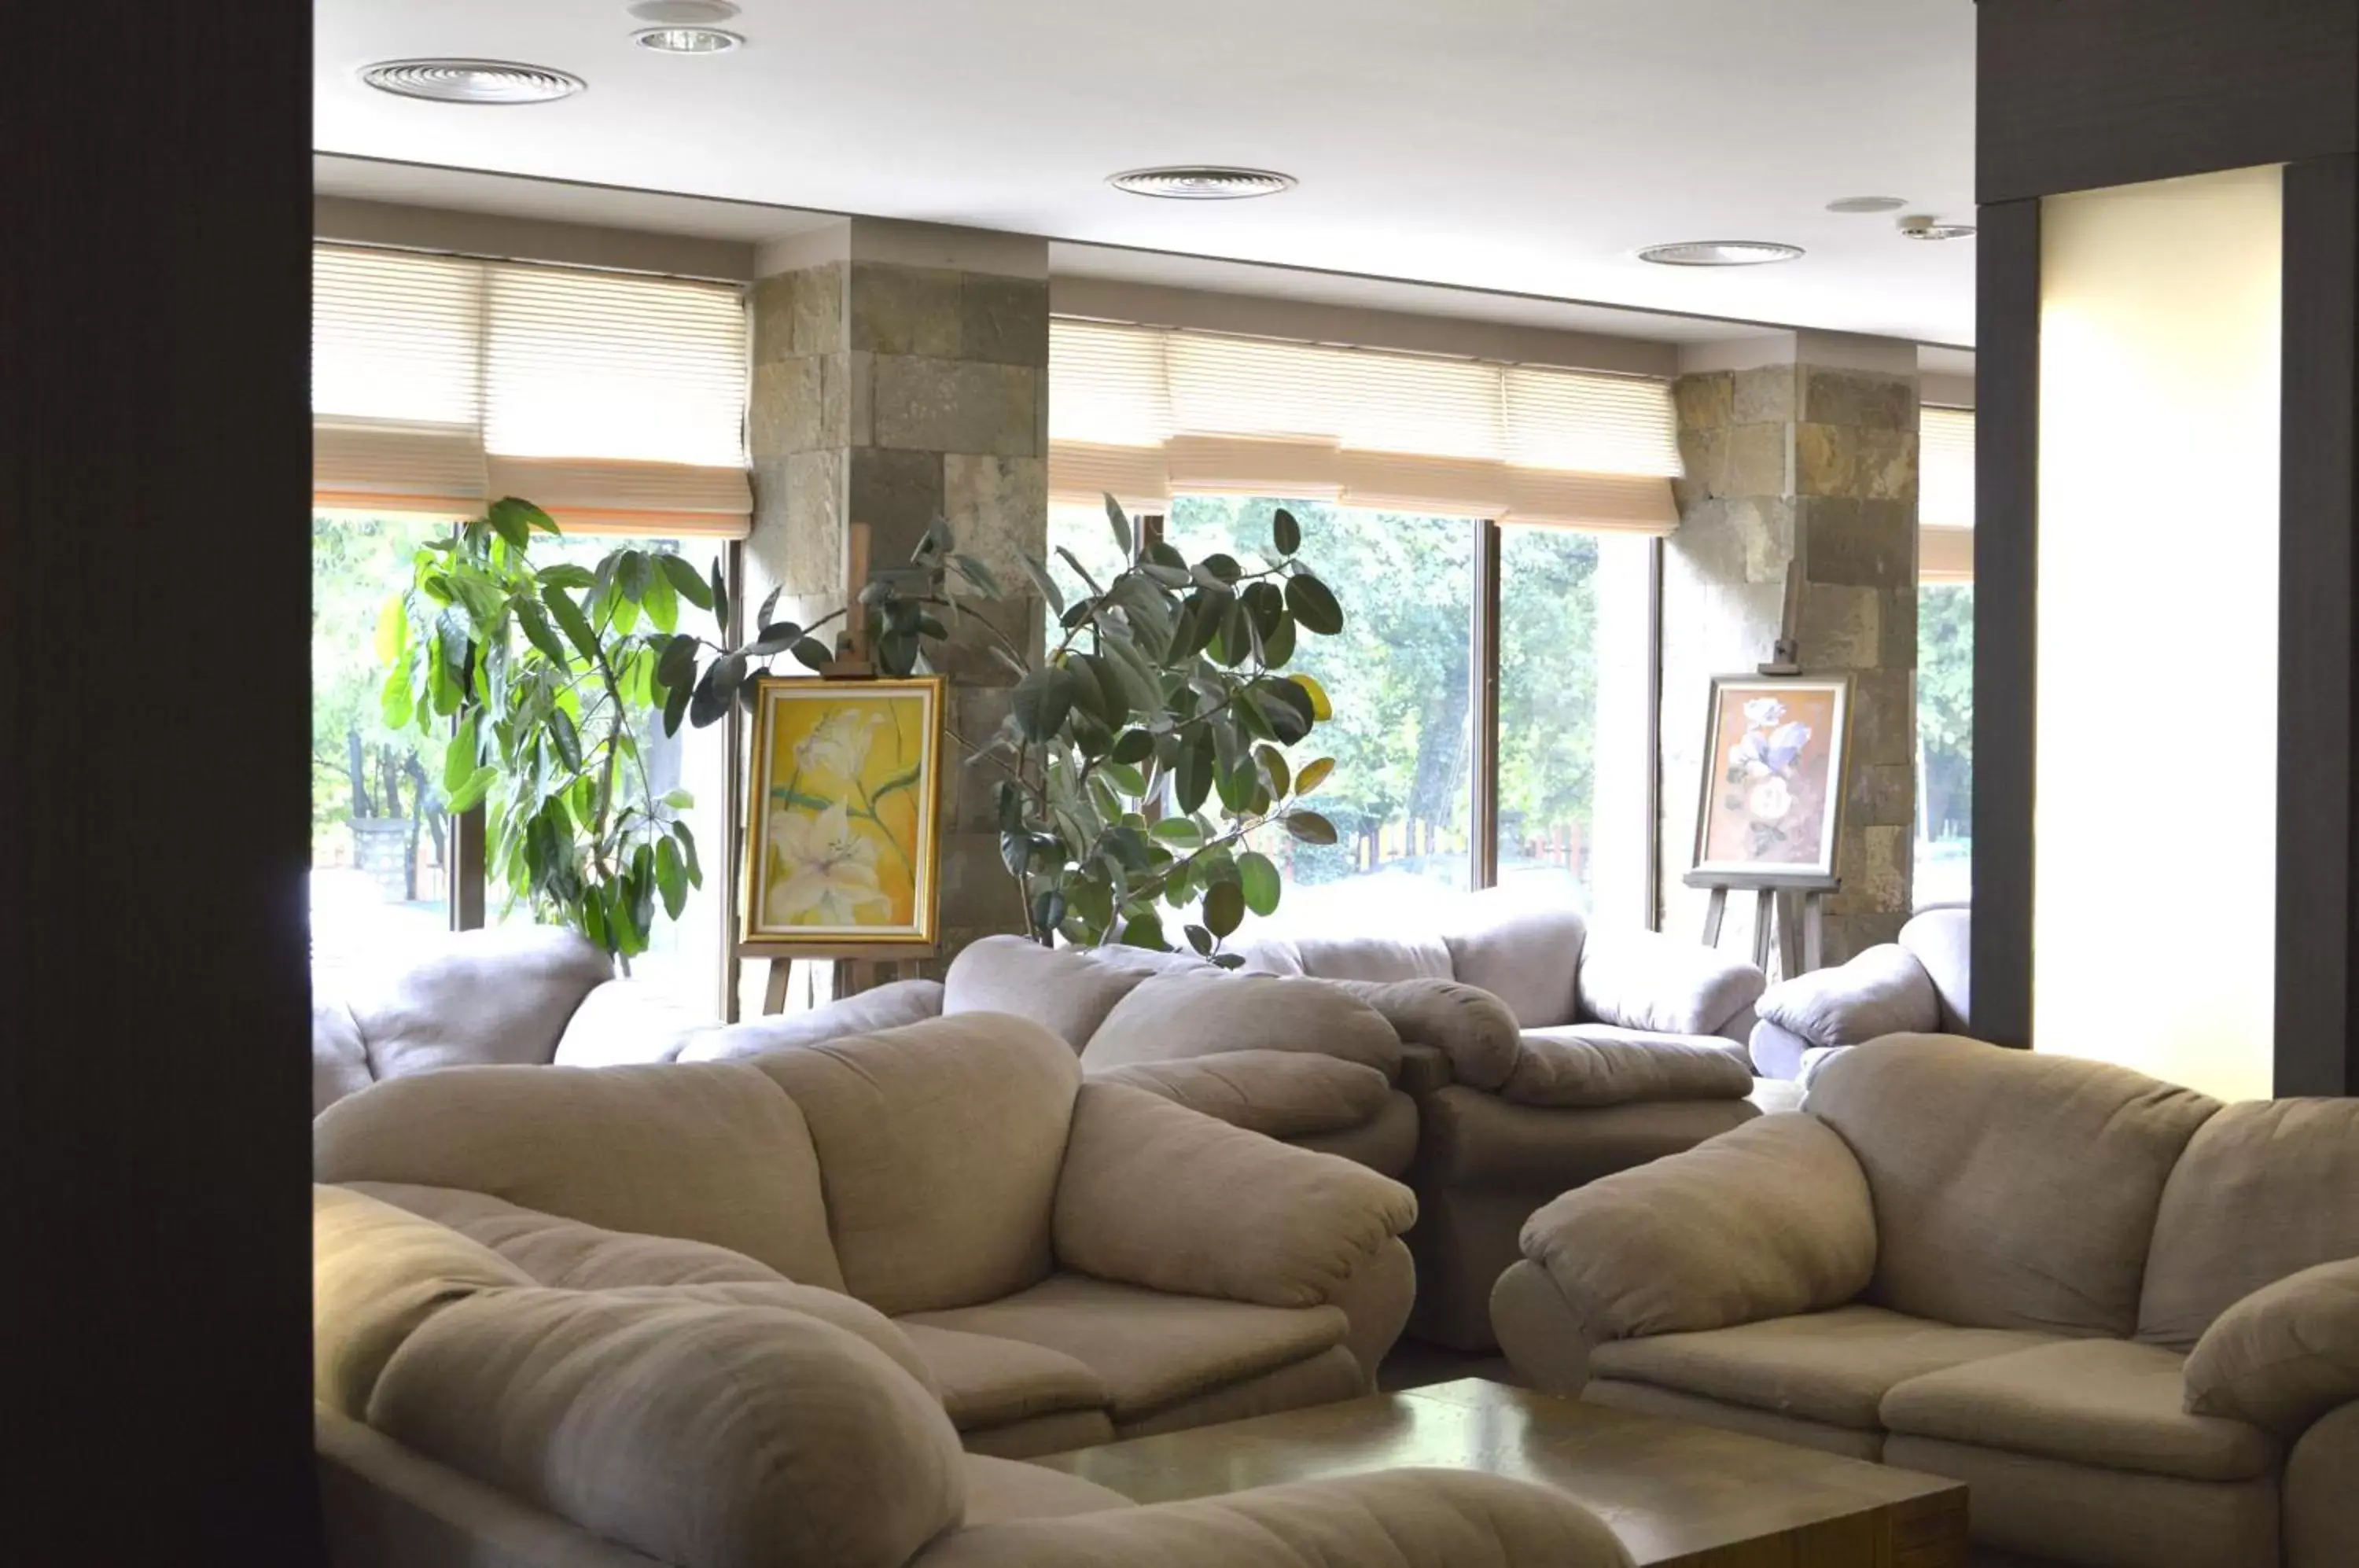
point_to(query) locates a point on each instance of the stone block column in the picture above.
(901, 375)
(1809, 440)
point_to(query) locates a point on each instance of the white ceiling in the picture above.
(1523, 146)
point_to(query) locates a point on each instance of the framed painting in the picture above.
(1774, 750)
(843, 840)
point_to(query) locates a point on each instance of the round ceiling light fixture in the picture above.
(471, 80)
(1209, 182)
(1869, 204)
(1925, 226)
(1720, 253)
(688, 41)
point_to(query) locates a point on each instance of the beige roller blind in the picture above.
(1945, 495)
(617, 401)
(1150, 412)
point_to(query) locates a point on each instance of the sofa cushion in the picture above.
(377, 1273)
(1282, 1093)
(2285, 1355)
(987, 1381)
(1643, 980)
(1526, 955)
(704, 1436)
(2103, 1402)
(1598, 1064)
(938, 1147)
(887, 1006)
(711, 1151)
(1068, 991)
(1882, 991)
(998, 1490)
(1149, 1349)
(1943, 942)
(340, 1064)
(1417, 956)
(628, 1021)
(2264, 1189)
(567, 1253)
(500, 995)
(1966, 1149)
(1449, 1031)
(1834, 1367)
(1206, 1014)
(1473, 1139)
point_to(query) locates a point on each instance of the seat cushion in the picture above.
(1149, 1349)
(2266, 1188)
(1967, 1146)
(1599, 1065)
(1001, 1490)
(939, 1148)
(2103, 1402)
(1832, 1366)
(988, 1381)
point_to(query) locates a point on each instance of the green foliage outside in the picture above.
(1945, 707)
(361, 768)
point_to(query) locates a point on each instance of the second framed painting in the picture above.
(843, 837)
(1775, 748)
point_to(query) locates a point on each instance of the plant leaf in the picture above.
(1310, 827)
(686, 581)
(1123, 538)
(1044, 585)
(813, 654)
(1257, 879)
(1224, 907)
(1313, 605)
(1042, 701)
(1285, 532)
(1320, 708)
(1314, 773)
(569, 616)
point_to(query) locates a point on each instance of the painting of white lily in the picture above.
(843, 837)
(1773, 775)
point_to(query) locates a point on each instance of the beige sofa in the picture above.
(1919, 985)
(2125, 1314)
(1074, 1261)
(471, 1412)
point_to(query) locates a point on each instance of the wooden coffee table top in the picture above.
(1675, 1493)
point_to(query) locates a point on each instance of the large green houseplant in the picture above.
(1142, 746)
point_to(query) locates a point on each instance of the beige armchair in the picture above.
(469, 1413)
(1073, 1260)
(2127, 1315)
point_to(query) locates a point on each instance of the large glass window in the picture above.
(1945, 743)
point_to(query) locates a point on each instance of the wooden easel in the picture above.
(1794, 907)
(860, 966)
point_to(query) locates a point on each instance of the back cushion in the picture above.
(1942, 940)
(1067, 991)
(1368, 957)
(1175, 1016)
(2265, 1189)
(887, 1006)
(338, 1060)
(2011, 1189)
(377, 1273)
(1526, 957)
(938, 1145)
(624, 1021)
(711, 1151)
(499, 995)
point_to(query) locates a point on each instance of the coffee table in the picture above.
(1676, 1494)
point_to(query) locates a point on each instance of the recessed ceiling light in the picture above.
(1720, 253)
(1869, 204)
(1187, 182)
(688, 41)
(471, 81)
(1924, 226)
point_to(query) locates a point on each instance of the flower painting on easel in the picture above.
(1773, 776)
(842, 832)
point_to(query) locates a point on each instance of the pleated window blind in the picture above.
(618, 402)
(1945, 495)
(1149, 412)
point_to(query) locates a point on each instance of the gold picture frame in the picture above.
(1777, 752)
(843, 813)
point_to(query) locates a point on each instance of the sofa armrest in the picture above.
(704, 1435)
(1474, 1031)
(1155, 1195)
(1882, 991)
(1643, 980)
(1769, 1219)
(1405, 1519)
(1597, 1065)
(1281, 1093)
(2284, 1355)
(886, 1007)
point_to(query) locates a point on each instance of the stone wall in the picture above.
(1825, 454)
(901, 375)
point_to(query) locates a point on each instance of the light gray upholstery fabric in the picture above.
(887, 1006)
(2266, 1187)
(1166, 1016)
(1481, 1140)
(1777, 1052)
(340, 1064)
(1882, 991)
(1849, 1442)
(1472, 1031)
(1527, 956)
(2285, 1355)
(626, 1021)
(500, 995)
(1646, 980)
(2321, 1517)
(1001, 1490)
(1966, 1147)
(570, 1254)
(1942, 940)
(1068, 991)
(1598, 1064)
(1393, 956)
(1285, 1093)
(1385, 1143)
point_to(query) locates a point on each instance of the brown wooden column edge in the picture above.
(2007, 607)
(2317, 876)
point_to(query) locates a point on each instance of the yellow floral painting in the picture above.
(843, 841)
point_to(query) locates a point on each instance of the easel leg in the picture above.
(1814, 911)
(1790, 933)
(1715, 911)
(1764, 904)
(774, 993)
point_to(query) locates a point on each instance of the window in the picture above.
(1945, 659)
